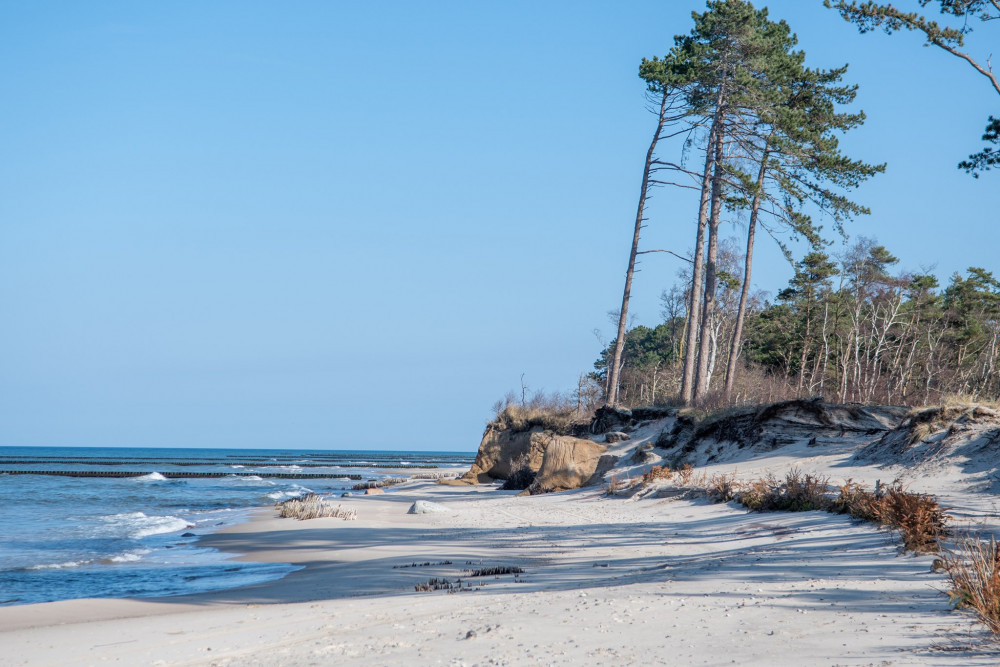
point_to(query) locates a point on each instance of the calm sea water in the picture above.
(135, 535)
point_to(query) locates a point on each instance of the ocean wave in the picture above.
(283, 495)
(58, 566)
(128, 556)
(138, 525)
(151, 477)
(294, 492)
(247, 479)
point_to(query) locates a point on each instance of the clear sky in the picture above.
(339, 225)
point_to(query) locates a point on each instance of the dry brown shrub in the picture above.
(685, 472)
(917, 517)
(754, 493)
(804, 492)
(656, 473)
(856, 500)
(722, 488)
(798, 492)
(973, 569)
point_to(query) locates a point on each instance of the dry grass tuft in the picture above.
(552, 412)
(617, 484)
(722, 488)
(925, 423)
(656, 473)
(967, 400)
(974, 572)
(685, 472)
(311, 506)
(435, 475)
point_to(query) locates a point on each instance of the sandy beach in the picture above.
(659, 579)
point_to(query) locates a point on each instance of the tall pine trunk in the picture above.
(615, 369)
(734, 348)
(703, 377)
(698, 268)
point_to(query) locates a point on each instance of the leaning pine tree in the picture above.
(665, 93)
(769, 145)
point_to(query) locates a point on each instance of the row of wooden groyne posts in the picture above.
(180, 475)
(210, 474)
(251, 464)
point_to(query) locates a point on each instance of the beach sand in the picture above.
(607, 580)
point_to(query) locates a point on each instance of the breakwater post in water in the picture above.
(178, 475)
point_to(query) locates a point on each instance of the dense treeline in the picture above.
(736, 91)
(847, 328)
(736, 94)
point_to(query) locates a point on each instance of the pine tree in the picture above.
(870, 16)
(767, 112)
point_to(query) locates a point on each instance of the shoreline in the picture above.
(605, 580)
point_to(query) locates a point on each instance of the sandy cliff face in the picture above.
(570, 463)
(966, 436)
(560, 462)
(740, 431)
(500, 448)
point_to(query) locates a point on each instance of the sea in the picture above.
(96, 522)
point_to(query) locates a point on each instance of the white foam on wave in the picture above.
(151, 477)
(294, 492)
(138, 525)
(129, 556)
(242, 479)
(58, 566)
(238, 467)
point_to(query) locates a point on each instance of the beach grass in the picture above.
(312, 506)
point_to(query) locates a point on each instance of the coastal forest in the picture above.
(743, 123)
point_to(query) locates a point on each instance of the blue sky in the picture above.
(339, 225)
